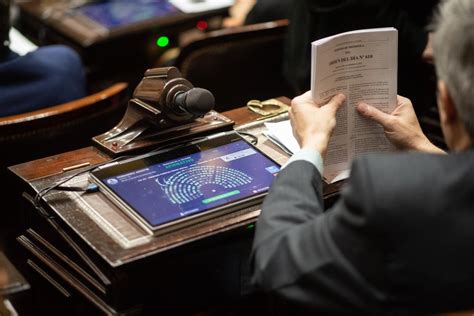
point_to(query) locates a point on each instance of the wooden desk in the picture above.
(91, 259)
(12, 286)
(56, 20)
(115, 54)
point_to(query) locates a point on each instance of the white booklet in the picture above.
(362, 65)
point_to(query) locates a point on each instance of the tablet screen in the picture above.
(115, 13)
(197, 180)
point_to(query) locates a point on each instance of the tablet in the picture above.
(168, 190)
(116, 13)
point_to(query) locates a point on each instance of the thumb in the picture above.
(336, 102)
(374, 114)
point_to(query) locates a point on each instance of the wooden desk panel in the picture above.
(117, 272)
(76, 211)
(85, 215)
(54, 165)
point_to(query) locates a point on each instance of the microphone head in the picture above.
(198, 101)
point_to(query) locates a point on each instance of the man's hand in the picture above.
(313, 123)
(401, 126)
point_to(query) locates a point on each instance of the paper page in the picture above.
(194, 6)
(363, 66)
(282, 133)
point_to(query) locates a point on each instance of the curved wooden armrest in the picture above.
(65, 107)
(62, 127)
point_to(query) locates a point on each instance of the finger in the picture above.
(374, 114)
(336, 102)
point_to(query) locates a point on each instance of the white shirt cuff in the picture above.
(310, 155)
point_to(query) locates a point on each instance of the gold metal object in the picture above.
(85, 164)
(267, 108)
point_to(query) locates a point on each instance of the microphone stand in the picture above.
(154, 119)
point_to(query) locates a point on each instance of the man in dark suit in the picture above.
(400, 239)
(48, 76)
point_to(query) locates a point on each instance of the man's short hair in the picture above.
(453, 46)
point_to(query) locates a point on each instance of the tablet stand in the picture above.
(154, 117)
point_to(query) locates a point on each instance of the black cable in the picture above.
(43, 192)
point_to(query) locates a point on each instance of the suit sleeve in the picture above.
(319, 260)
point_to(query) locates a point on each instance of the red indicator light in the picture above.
(202, 25)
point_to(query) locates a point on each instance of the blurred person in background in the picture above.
(49, 76)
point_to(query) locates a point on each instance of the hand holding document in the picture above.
(363, 66)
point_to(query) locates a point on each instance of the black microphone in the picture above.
(196, 101)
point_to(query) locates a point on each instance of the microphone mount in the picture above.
(165, 108)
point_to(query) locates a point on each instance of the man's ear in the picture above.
(448, 112)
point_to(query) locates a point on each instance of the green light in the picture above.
(163, 41)
(251, 226)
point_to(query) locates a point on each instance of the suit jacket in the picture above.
(399, 240)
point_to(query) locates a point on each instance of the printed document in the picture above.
(363, 66)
